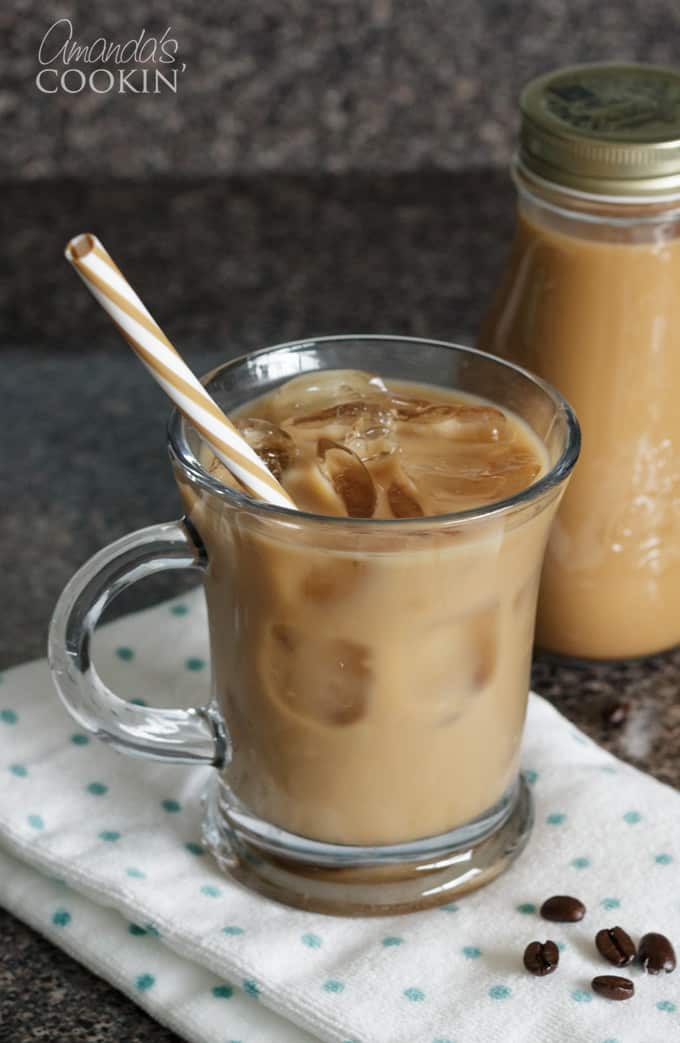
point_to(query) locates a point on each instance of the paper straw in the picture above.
(108, 285)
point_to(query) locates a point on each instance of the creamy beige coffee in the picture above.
(343, 443)
(595, 310)
(375, 688)
(589, 301)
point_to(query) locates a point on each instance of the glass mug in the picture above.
(369, 677)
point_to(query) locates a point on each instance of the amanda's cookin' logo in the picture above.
(142, 65)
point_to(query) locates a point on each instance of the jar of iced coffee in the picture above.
(590, 300)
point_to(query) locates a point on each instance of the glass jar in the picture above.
(590, 301)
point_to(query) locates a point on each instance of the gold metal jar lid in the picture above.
(604, 129)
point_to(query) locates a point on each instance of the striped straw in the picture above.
(107, 284)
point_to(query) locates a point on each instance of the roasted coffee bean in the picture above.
(541, 958)
(616, 946)
(563, 909)
(611, 987)
(656, 954)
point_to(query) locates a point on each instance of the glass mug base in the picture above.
(342, 880)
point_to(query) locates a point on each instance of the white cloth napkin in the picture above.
(100, 853)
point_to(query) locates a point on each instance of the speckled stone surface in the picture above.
(304, 85)
(46, 996)
(229, 264)
(226, 265)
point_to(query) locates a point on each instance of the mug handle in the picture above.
(184, 736)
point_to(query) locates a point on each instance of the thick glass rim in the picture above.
(182, 455)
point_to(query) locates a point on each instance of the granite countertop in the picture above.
(226, 266)
(307, 85)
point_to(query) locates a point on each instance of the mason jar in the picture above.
(590, 301)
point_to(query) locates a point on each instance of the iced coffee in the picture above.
(374, 683)
(589, 301)
(598, 314)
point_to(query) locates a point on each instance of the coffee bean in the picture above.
(616, 946)
(563, 909)
(541, 958)
(656, 954)
(612, 987)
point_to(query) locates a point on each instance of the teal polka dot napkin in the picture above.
(102, 854)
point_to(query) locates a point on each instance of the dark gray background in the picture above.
(308, 85)
(326, 166)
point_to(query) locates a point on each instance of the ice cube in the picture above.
(403, 502)
(459, 657)
(311, 393)
(498, 471)
(311, 490)
(376, 443)
(320, 679)
(371, 435)
(455, 478)
(519, 468)
(463, 422)
(480, 423)
(349, 477)
(481, 472)
(363, 426)
(331, 581)
(405, 408)
(348, 412)
(435, 413)
(272, 444)
(217, 469)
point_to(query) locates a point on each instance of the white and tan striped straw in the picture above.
(109, 286)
